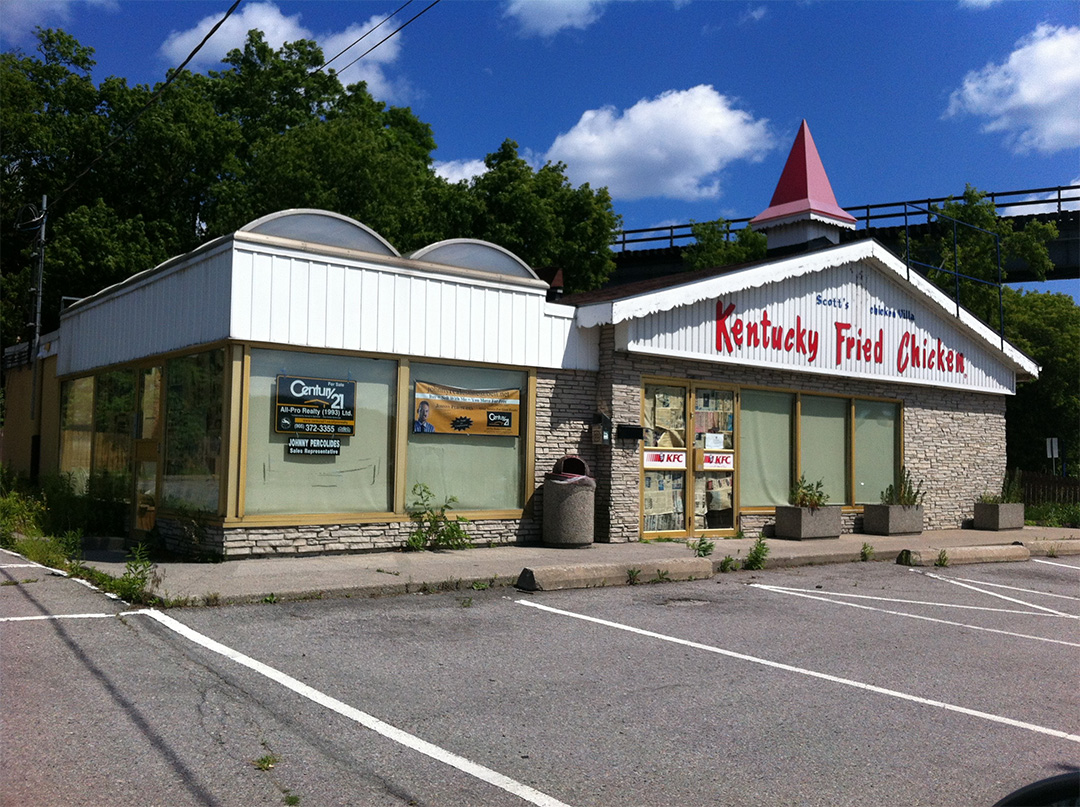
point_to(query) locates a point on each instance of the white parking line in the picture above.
(1008, 721)
(54, 616)
(803, 593)
(21, 566)
(522, 791)
(1021, 590)
(926, 602)
(1054, 563)
(994, 594)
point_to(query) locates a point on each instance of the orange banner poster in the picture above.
(449, 410)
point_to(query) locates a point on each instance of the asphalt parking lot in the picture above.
(850, 684)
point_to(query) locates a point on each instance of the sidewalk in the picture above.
(545, 568)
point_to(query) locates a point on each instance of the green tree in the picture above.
(714, 245)
(972, 250)
(543, 219)
(136, 175)
(1047, 328)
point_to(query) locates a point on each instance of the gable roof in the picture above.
(638, 300)
(804, 191)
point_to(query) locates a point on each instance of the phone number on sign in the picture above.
(321, 428)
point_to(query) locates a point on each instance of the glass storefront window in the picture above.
(114, 414)
(823, 452)
(357, 480)
(876, 433)
(663, 501)
(664, 416)
(483, 471)
(194, 404)
(765, 448)
(76, 430)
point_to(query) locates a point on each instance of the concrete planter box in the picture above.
(1003, 516)
(799, 523)
(892, 519)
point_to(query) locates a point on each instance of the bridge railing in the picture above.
(1058, 199)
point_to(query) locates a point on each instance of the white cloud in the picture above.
(1032, 96)
(979, 3)
(1050, 207)
(457, 170)
(549, 17)
(673, 146)
(279, 29)
(21, 17)
(754, 14)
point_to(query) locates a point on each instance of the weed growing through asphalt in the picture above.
(434, 528)
(755, 558)
(942, 559)
(265, 762)
(702, 547)
(632, 576)
(292, 799)
(269, 599)
(729, 564)
(662, 576)
(866, 553)
(480, 585)
(466, 602)
(1052, 551)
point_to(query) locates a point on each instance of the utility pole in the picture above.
(36, 382)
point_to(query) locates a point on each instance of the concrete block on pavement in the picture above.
(593, 575)
(958, 555)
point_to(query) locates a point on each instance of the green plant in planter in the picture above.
(805, 494)
(1012, 490)
(907, 493)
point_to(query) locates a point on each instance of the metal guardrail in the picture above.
(898, 212)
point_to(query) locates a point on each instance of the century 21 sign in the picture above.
(314, 406)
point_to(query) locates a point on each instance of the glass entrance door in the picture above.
(664, 459)
(147, 449)
(714, 459)
(688, 460)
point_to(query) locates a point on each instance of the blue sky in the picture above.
(685, 110)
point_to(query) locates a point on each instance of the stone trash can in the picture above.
(569, 504)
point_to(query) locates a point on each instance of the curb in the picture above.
(957, 555)
(556, 578)
(1051, 549)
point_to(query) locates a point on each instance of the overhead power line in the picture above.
(388, 36)
(364, 35)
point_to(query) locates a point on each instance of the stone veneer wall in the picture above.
(565, 404)
(953, 441)
(324, 539)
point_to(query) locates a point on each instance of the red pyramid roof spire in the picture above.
(803, 191)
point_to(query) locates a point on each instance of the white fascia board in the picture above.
(695, 291)
(965, 318)
(276, 245)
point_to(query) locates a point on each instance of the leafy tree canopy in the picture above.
(1047, 328)
(973, 251)
(269, 131)
(714, 246)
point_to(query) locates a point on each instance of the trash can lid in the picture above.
(572, 465)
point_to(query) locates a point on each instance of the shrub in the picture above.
(906, 493)
(805, 494)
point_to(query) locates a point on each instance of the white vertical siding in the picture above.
(169, 309)
(870, 303)
(296, 299)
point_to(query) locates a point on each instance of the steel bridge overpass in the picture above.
(653, 251)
